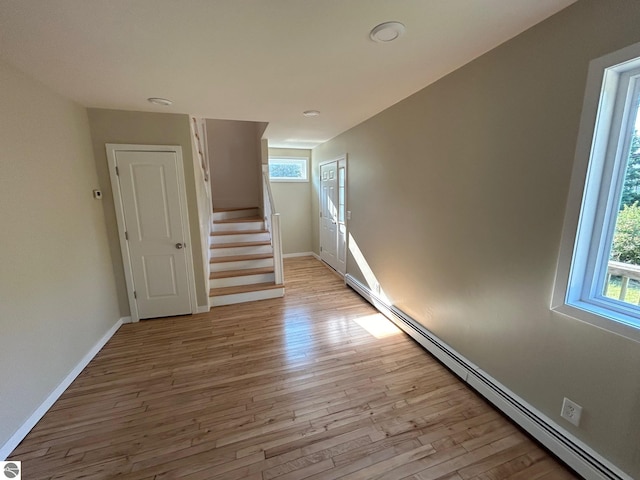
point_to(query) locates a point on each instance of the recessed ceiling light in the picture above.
(159, 101)
(311, 113)
(387, 32)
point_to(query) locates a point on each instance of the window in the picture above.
(598, 278)
(288, 169)
(341, 195)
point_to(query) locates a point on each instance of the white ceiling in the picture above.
(260, 60)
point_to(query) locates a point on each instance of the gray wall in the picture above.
(458, 195)
(234, 156)
(143, 128)
(293, 202)
(57, 289)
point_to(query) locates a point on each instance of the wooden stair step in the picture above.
(240, 273)
(240, 258)
(239, 232)
(235, 209)
(215, 292)
(240, 220)
(240, 244)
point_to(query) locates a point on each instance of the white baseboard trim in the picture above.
(299, 254)
(579, 456)
(126, 320)
(202, 309)
(18, 436)
(316, 256)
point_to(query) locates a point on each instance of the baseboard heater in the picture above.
(579, 456)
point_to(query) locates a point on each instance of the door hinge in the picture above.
(320, 248)
(126, 235)
(135, 295)
(117, 171)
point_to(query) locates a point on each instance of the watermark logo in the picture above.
(11, 470)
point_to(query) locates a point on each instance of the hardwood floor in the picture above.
(316, 385)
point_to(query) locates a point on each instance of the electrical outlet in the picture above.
(571, 411)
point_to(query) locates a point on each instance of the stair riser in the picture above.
(248, 212)
(241, 237)
(238, 226)
(241, 264)
(241, 280)
(221, 300)
(231, 251)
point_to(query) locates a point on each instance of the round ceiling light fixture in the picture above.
(311, 113)
(387, 32)
(159, 101)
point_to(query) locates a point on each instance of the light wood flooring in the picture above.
(315, 385)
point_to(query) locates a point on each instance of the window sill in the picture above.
(603, 318)
(289, 180)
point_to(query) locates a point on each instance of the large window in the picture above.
(598, 277)
(288, 169)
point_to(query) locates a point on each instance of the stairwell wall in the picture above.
(293, 201)
(203, 198)
(235, 163)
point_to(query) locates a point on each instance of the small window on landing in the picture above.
(341, 195)
(288, 169)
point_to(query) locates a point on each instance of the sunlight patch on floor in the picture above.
(378, 326)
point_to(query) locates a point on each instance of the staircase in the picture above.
(242, 263)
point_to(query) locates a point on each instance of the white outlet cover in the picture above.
(571, 411)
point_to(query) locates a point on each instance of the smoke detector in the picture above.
(387, 32)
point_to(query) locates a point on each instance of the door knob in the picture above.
(179, 245)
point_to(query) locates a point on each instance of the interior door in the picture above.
(151, 201)
(329, 214)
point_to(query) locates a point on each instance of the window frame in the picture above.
(286, 159)
(594, 193)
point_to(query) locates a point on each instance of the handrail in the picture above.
(624, 270)
(272, 223)
(203, 161)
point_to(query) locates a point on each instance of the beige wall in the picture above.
(119, 126)
(293, 202)
(57, 289)
(458, 195)
(234, 156)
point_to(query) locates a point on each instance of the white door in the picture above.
(329, 214)
(152, 201)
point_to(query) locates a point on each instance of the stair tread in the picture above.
(240, 232)
(214, 292)
(240, 220)
(234, 209)
(239, 258)
(240, 273)
(240, 244)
